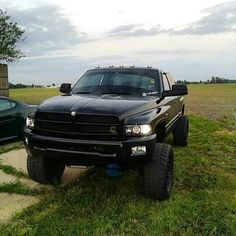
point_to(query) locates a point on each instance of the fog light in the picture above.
(26, 140)
(138, 150)
(136, 129)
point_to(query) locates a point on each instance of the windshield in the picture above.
(123, 82)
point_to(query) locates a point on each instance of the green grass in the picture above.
(33, 95)
(203, 200)
(204, 195)
(19, 188)
(12, 171)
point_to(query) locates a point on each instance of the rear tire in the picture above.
(180, 132)
(45, 170)
(158, 175)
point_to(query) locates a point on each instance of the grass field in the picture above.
(204, 195)
(33, 95)
(213, 101)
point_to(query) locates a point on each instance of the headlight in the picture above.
(30, 122)
(138, 130)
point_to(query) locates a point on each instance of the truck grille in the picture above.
(79, 126)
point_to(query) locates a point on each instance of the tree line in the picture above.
(13, 86)
(213, 80)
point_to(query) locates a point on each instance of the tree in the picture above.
(10, 35)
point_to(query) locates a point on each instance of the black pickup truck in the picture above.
(111, 115)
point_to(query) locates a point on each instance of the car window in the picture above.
(5, 105)
(122, 79)
(13, 104)
(165, 82)
(170, 79)
(92, 80)
(135, 82)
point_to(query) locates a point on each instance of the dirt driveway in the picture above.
(11, 203)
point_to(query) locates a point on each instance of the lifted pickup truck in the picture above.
(111, 115)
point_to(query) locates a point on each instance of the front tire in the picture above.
(158, 175)
(45, 170)
(180, 132)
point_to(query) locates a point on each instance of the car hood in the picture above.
(120, 106)
(28, 106)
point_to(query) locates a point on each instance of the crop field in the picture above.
(204, 194)
(213, 101)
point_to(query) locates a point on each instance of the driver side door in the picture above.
(9, 119)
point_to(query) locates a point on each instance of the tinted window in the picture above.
(129, 81)
(4, 105)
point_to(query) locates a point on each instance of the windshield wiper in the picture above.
(117, 93)
(83, 93)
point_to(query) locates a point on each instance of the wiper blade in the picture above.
(83, 93)
(117, 93)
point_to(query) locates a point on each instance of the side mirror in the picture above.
(65, 88)
(177, 89)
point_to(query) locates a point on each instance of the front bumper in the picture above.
(90, 152)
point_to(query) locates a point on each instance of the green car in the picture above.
(12, 117)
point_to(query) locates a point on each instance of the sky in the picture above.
(193, 40)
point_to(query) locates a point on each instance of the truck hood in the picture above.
(120, 106)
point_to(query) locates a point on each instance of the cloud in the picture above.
(47, 71)
(46, 29)
(124, 28)
(179, 51)
(54, 52)
(220, 18)
(134, 30)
